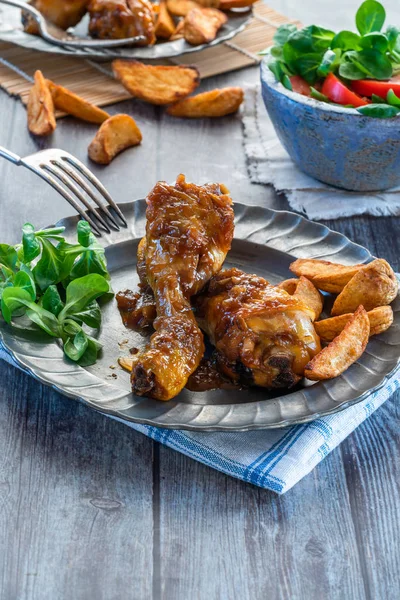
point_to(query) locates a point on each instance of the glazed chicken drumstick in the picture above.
(188, 234)
(263, 335)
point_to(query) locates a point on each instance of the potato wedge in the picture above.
(75, 105)
(229, 4)
(305, 290)
(380, 319)
(41, 119)
(156, 84)
(165, 25)
(201, 25)
(373, 285)
(343, 351)
(62, 13)
(180, 8)
(178, 33)
(325, 275)
(216, 103)
(208, 3)
(115, 135)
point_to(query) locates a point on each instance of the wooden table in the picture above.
(90, 509)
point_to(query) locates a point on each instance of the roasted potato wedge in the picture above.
(208, 3)
(180, 8)
(201, 25)
(343, 351)
(380, 319)
(229, 4)
(216, 103)
(156, 84)
(373, 285)
(41, 119)
(305, 290)
(63, 13)
(325, 275)
(178, 33)
(165, 25)
(75, 105)
(115, 135)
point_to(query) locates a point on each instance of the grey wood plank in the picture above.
(75, 499)
(221, 538)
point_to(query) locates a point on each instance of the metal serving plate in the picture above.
(11, 31)
(266, 242)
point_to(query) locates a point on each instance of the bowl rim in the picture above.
(268, 78)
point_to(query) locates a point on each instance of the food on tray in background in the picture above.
(356, 70)
(380, 319)
(156, 84)
(230, 4)
(201, 25)
(306, 291)
(374, 285)
(188, 234)
(41, 119)
(178, 33)
(116, 19)
(180, 8)
(116, 134)
(263, 335)
(74, 105)
(343, 351)
(63, 13)
(165, 25)
(215, 103)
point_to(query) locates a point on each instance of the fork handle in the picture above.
(14, 158)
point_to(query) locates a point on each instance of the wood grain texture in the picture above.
(90, 509)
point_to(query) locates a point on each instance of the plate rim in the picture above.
(192, 426)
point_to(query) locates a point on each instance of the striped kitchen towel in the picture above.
(274, 459)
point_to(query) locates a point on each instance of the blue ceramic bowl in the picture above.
(338, 146)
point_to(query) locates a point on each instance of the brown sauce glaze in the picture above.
(208, 377)
(137, 309)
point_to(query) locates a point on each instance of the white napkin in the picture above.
(269, 163)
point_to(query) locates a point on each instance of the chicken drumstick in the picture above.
(263, 335)
(188, 234)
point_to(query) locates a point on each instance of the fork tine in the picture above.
(66, 181)
(94, 181)
(80, 181)
(68, 197)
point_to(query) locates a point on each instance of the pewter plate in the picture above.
(11, 31)
(266, 242)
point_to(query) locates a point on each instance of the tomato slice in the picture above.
(367, 87)
(300, 85)
(337, 92)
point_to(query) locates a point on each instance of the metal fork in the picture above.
(71, 179)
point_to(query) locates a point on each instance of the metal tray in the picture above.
(266, 241)
(11, 31)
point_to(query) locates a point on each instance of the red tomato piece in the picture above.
(300, 85)
(367, 87)
(337, 92)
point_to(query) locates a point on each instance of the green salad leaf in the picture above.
(370, 17)
(56, 285)
(314, 52)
